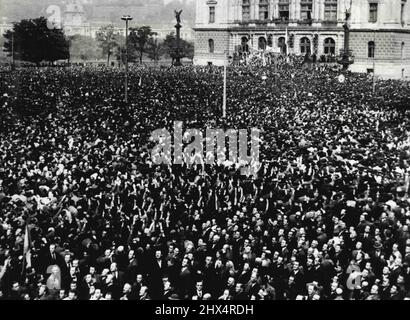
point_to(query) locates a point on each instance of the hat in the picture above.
(377, 245)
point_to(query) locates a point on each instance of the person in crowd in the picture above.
(331, 198)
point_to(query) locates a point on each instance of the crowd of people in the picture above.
(85, 214)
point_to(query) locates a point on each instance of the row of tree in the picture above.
(141, 41)
(31, 40)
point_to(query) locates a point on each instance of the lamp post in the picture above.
(374, 61)
(12, 50)
(126, 19)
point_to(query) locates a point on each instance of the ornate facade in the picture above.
(379, 34)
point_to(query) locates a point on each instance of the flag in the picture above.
(27, 247)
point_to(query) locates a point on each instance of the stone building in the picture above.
(379, 37)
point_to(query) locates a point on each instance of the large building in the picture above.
(379, 36)
(86, 21)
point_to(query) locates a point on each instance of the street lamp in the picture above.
(126, 18)
(374, 61)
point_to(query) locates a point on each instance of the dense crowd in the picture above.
(326, 218)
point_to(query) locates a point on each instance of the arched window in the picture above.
(244, 44)
(403, 47)
(262, 43)
(329, 46)
(263, 10)
(246, 10)
(305, 46)
(282, 45)
(370, 49)
(211, 44)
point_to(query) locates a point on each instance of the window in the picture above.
(331, 10)
(284, 10)
(244, 44)
(246, 10)
(371, 48)
(282, 45)
(373, 12)
(262, 43)
(330, 46)
(305, 46)
(263, 10)
(211, 44)
(306, 9)
(211, 14)
(270, 40)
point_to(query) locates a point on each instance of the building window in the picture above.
(262, 43)
(330, 46)
(284, 10)
(244, 44)
(306, 9)
(270, 40)
(373, 12)
(305, 46)
(282, 45)
(263, 10)
(211, 45)
(331, 10)
(371, 48)
(211, 14)
(246, 10)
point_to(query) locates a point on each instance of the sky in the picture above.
(154, 11)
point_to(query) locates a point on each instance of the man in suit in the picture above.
(185, 278)
(239, 293)
(198, 293)
(65, 271)
(52, 258)
(157, 271)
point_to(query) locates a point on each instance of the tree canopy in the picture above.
(33, 41)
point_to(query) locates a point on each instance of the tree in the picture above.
(154, 50)
(170, 46)
(84, 48)
(34, 42)
(138, 40)
(108, 40)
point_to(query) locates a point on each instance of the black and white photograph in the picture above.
(220, 151)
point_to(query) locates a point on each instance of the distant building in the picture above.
(379, 31)
(76, 22)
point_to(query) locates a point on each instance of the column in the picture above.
(252, 2)
(322, 10)
(316, 9)
(297, 10)
(276, 9)
(271, 9)
(292, 10)
(341, 10)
